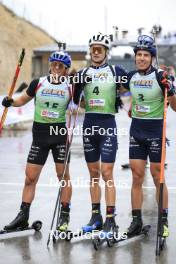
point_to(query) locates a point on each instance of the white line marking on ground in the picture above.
(76, 186)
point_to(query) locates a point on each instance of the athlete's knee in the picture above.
(30, 179)
(138, 176)
(94, 173)
(107, 174)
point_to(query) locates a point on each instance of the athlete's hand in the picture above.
(168, 83)
(129, 113)
(7, 102)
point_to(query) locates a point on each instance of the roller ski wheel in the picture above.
(110, 242)
(36, 226)
(69, 236)
(61, 235)
(145, 230)
(161, 242)
(96, 243)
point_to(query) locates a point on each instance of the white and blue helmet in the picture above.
(100, 39)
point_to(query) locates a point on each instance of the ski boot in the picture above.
(135, 227)
(164, 227)
(20, 222)
(64, 220)
(164, 233)
(109, 233)
(62, 226)
(95, 223)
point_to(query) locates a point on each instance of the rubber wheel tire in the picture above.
(96, 243)
(37, 225)
(69, 236)
(110, 242)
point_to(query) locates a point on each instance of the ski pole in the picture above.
(161, 187)
(11, 90)
(58, 204)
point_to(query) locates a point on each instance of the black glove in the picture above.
(118, 103)
(168, 84)
(7, 101)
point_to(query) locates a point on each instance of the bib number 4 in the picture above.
(96, 90)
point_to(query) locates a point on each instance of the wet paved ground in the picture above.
(31, 248)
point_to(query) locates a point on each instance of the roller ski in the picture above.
(94, 226)
(135, 229)
(108, 235)
(20, 223)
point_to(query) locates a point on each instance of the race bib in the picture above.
(143, 108)
(97, 102)
(49, 114)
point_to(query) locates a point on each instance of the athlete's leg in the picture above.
(138, 173)
(92, 156)
(138, 157)
(36, 159)
(62, 169)
(66, 182)
(155, 169)
(32, 175)
(95, 189)
(110, 190)
(155, 149)
(108, 156)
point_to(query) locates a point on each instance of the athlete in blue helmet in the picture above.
(52, 95)
(147, 85)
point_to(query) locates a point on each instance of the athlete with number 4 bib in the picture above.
(147, 85)
(52, 95)
(100, 84)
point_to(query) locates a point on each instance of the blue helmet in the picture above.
(145, 42)
(61, 56)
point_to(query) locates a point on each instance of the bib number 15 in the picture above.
(52, 105)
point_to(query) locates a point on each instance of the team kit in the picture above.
(98, 89)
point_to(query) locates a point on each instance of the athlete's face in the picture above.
(98, 54)
(58, 68)
(143, 60)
